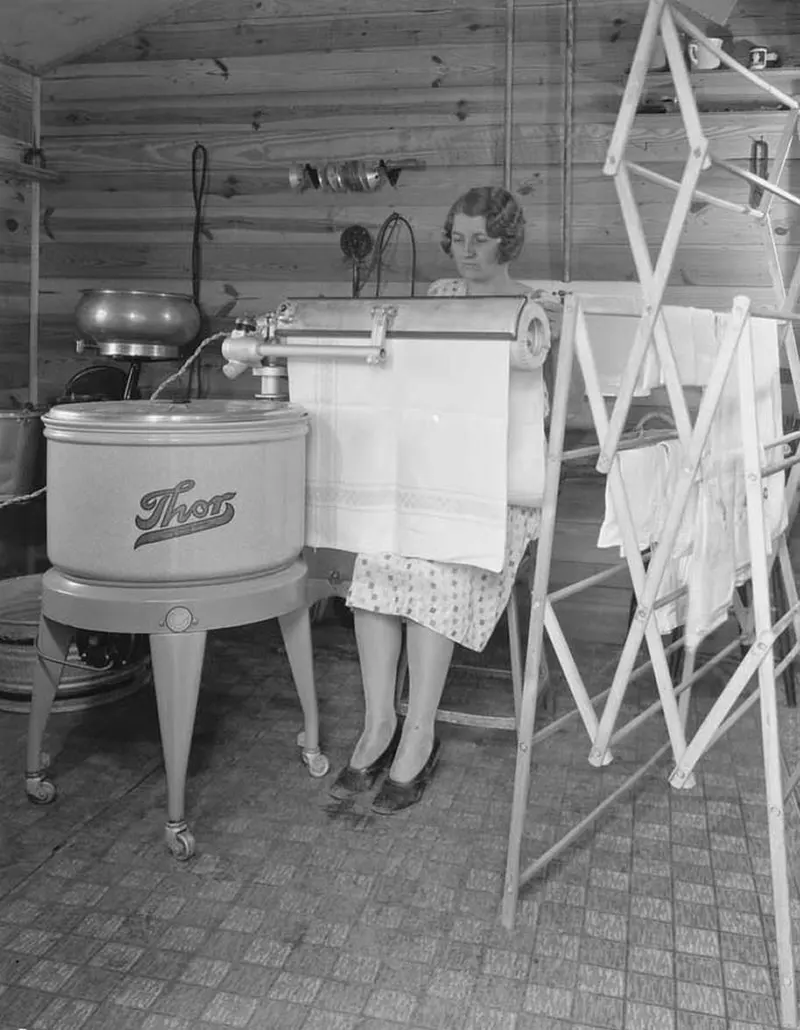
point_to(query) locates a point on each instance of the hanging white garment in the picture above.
(721, 555)
(649, 476)
(644, 477)
(710, 555)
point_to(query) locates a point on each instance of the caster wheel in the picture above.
(317, 763)
(39, 790)
(180, 841)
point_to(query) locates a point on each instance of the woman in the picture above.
(483, 232)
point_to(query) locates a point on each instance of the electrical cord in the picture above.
(385, 234)
(73, 665)
(199, 189)
(387, 230)
(22, 498)
(186, 367)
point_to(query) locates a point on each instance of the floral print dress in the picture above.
(462, 602)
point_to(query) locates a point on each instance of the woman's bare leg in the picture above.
(379, 639)
(429, 655)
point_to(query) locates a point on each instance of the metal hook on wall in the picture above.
(759, 165)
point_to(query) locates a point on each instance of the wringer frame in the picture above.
(759, 633)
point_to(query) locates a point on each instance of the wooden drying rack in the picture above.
(761, 634)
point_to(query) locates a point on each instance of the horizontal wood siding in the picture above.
(15, 106)
(264, 84)
(15, 137)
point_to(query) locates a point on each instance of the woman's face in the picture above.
(472, 249)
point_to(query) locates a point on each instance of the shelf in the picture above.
(722, 89)
(783, 78)
(25, 173)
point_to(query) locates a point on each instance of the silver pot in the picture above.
(136, 318)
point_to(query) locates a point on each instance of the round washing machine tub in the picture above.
(163, 492)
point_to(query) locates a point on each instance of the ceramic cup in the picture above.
(700, 58)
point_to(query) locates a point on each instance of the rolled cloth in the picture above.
(527, 408)
(531, 346)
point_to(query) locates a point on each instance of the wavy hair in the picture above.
(504, 219)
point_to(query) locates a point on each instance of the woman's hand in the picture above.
(553, 305)
(553, 308)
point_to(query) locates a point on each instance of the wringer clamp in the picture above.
(260, 345)
(382, 318)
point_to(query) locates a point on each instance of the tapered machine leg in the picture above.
(296, 630)
(53, 644)
(177, 667)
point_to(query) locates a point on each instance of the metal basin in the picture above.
(143, 492)
(137, 317)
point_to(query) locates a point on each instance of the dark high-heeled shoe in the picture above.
(352, 781)
(395, 796)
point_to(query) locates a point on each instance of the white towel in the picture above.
(527, 444)
(649, 476)
(421, 455)
(612, 337)
(712, 540)
(644, 477)
(721, 529)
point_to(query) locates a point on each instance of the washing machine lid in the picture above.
(168, 413)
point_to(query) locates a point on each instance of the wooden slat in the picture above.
(405, 105)
(721, 87)
(382, 70)
(699, 266)
(219, 298)
(322, 226)
(221, 34)
(756, 18)
(299, 262)
(591, 624)
(246, 10)
(352, 110)
(14, 273)
(569, 568)
(776, 15)
(706, 267)
(343, 82)
(654, 139)
(749, 17)
(389, 26)
(224, 297)
(233, 151)
(336, 72)
(241, 193)
(15, 104)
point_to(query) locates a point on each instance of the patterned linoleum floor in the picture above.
(301, 912)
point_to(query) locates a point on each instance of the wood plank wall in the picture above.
(15, 135)
(263, 84)
(266, 86)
